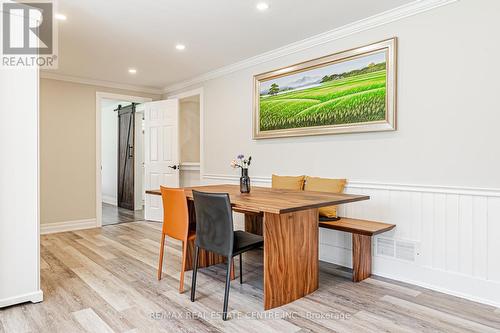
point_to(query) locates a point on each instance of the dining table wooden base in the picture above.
(288, 220)
(291, 259)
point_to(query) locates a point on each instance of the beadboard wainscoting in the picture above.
(446, 239)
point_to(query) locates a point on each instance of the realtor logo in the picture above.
(28, 34)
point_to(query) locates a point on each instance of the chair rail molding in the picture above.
(461, 190)
(452, 232)
(190, 166)
(398, 13)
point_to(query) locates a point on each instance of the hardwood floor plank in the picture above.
(210, 306)
(468, 310)
(389, 286)
(129, 250)
(112, 272)
(367, 300)
(85, 296)
(104, 253)
(91, 322)
(43, 264)
(380, 324)
(440, 316)
(14, 321)
(113, 215)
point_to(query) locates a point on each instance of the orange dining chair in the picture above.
(175, 225)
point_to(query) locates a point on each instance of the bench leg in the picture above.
(361, 257)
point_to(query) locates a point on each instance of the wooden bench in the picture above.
(362, 232)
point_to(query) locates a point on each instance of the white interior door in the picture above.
(161, 163)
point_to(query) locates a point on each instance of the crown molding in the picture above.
(101, 83)
(398, 13)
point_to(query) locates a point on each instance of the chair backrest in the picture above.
(214, 222)
(175, 212)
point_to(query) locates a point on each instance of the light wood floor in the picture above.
(113, 215)
(104, 280)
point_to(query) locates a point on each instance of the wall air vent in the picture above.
(406, 250)
(385, 247)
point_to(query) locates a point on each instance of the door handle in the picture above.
(175, 167)
(130, 151)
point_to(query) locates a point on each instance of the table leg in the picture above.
(361, 257)
(291, 262)
(253, 223)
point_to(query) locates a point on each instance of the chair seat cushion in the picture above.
(244, 241)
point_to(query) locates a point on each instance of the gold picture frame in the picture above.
(270, 95)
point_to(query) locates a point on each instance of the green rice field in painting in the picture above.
(354, 99)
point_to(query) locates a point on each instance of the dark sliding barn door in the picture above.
(126, 139)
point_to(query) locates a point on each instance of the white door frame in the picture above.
(191, 93)
(98, 181)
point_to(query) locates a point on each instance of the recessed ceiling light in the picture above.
(180, 47)
(132, 71)
(60, 17)
(262, 6)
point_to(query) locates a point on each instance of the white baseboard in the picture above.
(50, 228)
(109, 200)
(34, 297)
(451, 283)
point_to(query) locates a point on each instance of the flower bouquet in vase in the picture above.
(243, 164)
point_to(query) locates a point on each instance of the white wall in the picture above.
(109, 150)
(189, 129)
(189, 140)
(446, 144)
(19, 190)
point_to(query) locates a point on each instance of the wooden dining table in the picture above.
(288, 221)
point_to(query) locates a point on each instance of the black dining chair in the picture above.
(215, 233)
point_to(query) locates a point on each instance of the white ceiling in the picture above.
(101, 39)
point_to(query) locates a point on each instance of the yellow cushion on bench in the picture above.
(325, 185)
(288, 182)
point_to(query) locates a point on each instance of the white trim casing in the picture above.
(100, 83)
(98, 157)
(413, 8)
(51, 228)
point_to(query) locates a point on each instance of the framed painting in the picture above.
(347, 92)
